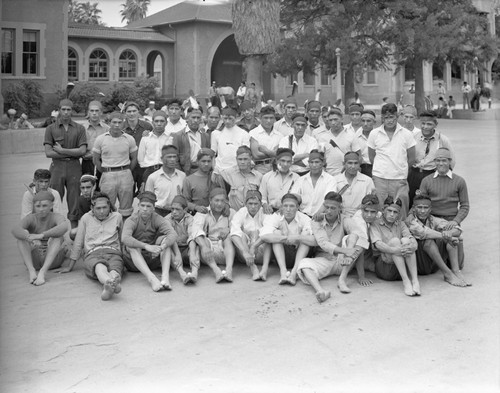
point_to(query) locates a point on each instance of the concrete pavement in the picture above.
(258, 337)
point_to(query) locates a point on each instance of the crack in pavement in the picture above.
(80, 345)
(79, 382)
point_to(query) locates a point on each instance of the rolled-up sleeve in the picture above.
(197, 229)
(353, 227)
(237, 223)
(270, 224)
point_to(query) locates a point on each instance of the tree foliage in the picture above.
(134, 10)
(141, 91)
(85, 12)
(379, 34)
(25, 96)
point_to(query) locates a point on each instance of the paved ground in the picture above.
(258, 337)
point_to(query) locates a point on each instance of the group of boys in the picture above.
(309, 193)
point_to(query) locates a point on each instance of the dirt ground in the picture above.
(258, 337)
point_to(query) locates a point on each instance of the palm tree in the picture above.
(256, 26)
(86, 13)
(134, 10)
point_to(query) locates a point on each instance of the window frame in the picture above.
(75, 60)
(127, 62)
(28, 54)
(100, 62)
(12, 52)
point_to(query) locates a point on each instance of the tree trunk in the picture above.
(419, 85)
(252, 73)
(349, 86)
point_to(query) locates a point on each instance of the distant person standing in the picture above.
(466, 90)
(475, 102)
(240, 94)
(441, 92)
(65, 142)
(93, 127)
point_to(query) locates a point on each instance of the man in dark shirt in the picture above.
(65, 142)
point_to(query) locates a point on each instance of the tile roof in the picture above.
(218, 11)
(116, 33)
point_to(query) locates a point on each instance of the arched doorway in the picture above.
(154, 67)
(226, 65)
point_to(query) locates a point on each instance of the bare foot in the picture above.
(183, 275)
(228, 275)
(219, 277)
(255, 272)
(461, 277)
(188, 279)
(117, 286)
(40, 280)
(416, 287)
(263, 274)
(107, 291)
(155, 284)
(32, 277)
(408, 288)
(342, 285)
(194, 275)
(166, 285)
(365, 282)
(322, 296)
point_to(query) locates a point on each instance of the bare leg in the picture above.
(360, 268)
(165, 258)
(143, 267)
(265, 261)
(213, 265)
(229, 253)
(311, 277)
(53, 247)
(302, 252)
(454, 256)
(431, 249)
(25, 250)
(279, 253)
(411, 263)
(194, 261)
(399, 261)
(105, 278)
(347, 265)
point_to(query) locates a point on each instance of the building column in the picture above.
(447, 76)
(428, 84)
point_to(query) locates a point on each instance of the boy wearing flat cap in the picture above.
(146, 239)
(40, 237)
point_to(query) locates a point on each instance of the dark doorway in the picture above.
(154, 67)
(226, 65)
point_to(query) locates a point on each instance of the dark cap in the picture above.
(42, 174)
(147, 196)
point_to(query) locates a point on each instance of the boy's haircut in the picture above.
(191, 109)
(391, 201)
(291, 196)
(169, 149)
(173, 101)
(370, 200)
(243, 150)
(333, 196)
(88, 178)
(390, 108)
(95, 103)
(129, 104)
(369, 112)
(421, 197)
(42, 174)
(205, 151)
(100, 194)
(335, 111)
(267, 110)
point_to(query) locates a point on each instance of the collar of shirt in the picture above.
(123, 134)
(152, 135)
(382, 222)
(314, 126)
(399, 128)
(71, 123)
(423, 138)
(87, 124)
(188, 130)
(449, 174)
(325, 222)
(260, 130)
(359, 134)
(176, 173)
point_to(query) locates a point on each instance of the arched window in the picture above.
(98, 65)
(127, 65)
(72, 65)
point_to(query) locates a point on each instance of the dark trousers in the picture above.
(137, 174)
(67, 173)
(366, 169)
(415, 177)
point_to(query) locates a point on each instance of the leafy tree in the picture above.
(86, 13)
(315, 28)
(256, 27)
(25, 96)
(438, 31)
(134, 10)
(141, 91)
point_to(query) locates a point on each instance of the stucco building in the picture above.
(186, 46)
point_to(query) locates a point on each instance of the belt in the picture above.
(429, 171)
(265, 161)
(101, 247)
(116, 168)
(155, 167)
(66, 159)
